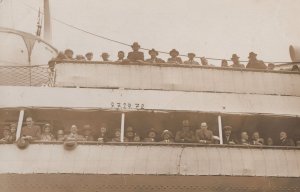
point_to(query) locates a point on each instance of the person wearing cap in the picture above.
(271, 66)
(284, 140)
(69, 54)
(60, 135)
(224, 63)
(105, 57)
(89, 56)
(135, 55)
(228, 138)
(151, 136)
(31, 131)
(13, 132)
(174, 57)
(153, 57)
(6, 135)
(236, 62)
(129, 134)
(204, 61)
(117, 136)
(80, 58)
(191, 60)
(185, 135)
(88, 132)
(167, 137)
(103, 136)
(46, 133)
(254, 63)
(74, 136)
(121, 56)
(203, 135)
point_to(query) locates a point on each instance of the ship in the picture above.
(144, 96)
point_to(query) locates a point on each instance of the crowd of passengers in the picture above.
(137, 56)
(202, 134)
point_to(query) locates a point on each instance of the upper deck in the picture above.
(170, 77)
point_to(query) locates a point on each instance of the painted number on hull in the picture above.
(118, 105)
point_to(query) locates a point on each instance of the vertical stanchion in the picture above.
(20, 121)
(220, 129)
(122, 126)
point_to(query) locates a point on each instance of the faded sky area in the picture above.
(211, 28)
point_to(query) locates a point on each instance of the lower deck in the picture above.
(145, 183)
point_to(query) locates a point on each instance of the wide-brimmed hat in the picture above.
(153, 51)
(252, 54)
(174, 51)
(227, 128)
(234, 56)
(135, 44)
(193, 54)
(152, 130)
(167, 132)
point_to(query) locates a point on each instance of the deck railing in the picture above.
(39, 75)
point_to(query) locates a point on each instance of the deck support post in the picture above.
(122, 127)
(220, 129)
(20, 122)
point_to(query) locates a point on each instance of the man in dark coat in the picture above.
(253, 63)
(185, 135)
(154, 59)
(174, 57)
(135, 55)
(284, 140)
(236, 62)
(227, 136)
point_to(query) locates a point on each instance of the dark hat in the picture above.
(88, 53)
(135, 44)
(167, 132)
(234, 56)
(174, 51)
(153, 50)
(194, 55)
(227, 128)
(252, 54)
(68, 51)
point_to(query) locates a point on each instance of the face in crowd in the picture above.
(130, 133)
(6, 131)
(255, 136)
(103, 129)
(121, 55)
(244, 136)
(60, 135)
(13, 128)
(166, 136)
(47, 129)
(227, 132)
(203, 126)
(117, 134)
(87, 130)
(135, 47)
(270, 141)
(73, 129)
(152, 134)
(282, 135)
(29, 121)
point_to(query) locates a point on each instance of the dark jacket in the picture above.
(229, 139)
(135, 56)
(286, 142)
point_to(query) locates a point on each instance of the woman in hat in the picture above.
(174, 57)
(117, 136)
(167, 137)
(154, 59)
(129, 134)
(46, 133)
(88, 133)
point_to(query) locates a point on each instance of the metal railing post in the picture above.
(122, 126)
(20, 122)
(220, 129)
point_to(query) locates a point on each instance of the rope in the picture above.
(126, 44)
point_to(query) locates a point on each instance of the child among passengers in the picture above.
(46, 133)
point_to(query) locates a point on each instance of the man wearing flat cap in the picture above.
(105, 57)
(236, 62)
(69, 54)
(154, 59)
(89, 56)
(227, 136)
(135, 55)
(254, 63)
(174, 57)
(191, 60)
